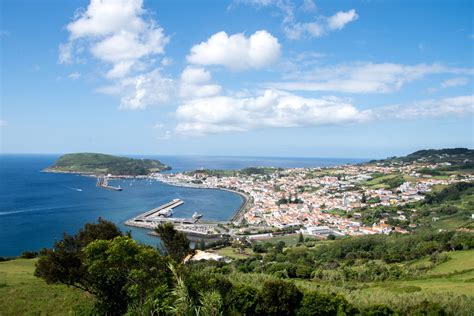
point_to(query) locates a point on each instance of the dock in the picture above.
(103, 182)
(166, 208)
(161, 214)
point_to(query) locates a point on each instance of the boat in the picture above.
(196, 215)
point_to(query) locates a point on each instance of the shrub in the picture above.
(279, 298)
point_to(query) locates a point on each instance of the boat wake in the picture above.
(75, 189)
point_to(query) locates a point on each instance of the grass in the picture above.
(22, 293)
(290, 240)
(233, 253)
(459, 261)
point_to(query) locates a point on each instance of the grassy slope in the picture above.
(22, 293)
(454, 292)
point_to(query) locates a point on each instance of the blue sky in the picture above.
(251, 77)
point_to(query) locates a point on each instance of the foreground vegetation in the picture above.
(22, 293)
(426, 273)
(106, 164)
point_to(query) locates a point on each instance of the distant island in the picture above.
(101, 164)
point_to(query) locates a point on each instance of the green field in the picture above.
(234, 253)
(22, 293)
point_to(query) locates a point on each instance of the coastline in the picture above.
(246, 203)
(236, 218)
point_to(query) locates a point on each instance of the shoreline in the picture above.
(240, 211)
(236, 217)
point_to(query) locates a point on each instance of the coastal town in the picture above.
(324, 201)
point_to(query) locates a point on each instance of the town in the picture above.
(321, 202)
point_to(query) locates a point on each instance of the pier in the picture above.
(194, 231)
(103, 182)
(161, 214)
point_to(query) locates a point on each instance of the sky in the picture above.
(359, 79)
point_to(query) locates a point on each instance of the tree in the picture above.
(122, 272)
(316, 303)
(175, 242)
(279, 298)
(244, 298)
(300, 238)
(64, 262)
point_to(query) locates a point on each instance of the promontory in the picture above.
(101, 164)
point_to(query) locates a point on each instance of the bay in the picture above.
(36, 208)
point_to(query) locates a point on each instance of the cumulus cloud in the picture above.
(141, 91)
(455, 82)
(278, 109)
(362, 77)
(270, 109)
(237, 51)
(115, 32)
(121, 35)
(195, 82)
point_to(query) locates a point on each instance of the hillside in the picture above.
(453, 156)
(93, 163)
(24, 294)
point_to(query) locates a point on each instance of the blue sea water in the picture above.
(36, 208)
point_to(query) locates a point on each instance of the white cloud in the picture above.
(271, 109)
(362, 77)
(74, 75)
(115, 32)
(295, 29)
(237, 51)
(461, 105)
(195, 82)
(455, 82)
(341, 18)
(121, 35)
(278, 109)
(3, 123)
(141, 91)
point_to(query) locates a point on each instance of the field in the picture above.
(23, 294)
(233, 253)
(451, 284)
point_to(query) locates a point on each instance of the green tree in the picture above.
(122, 272)
(175, 242)
(300, 238)
(64, 262)
(279, 298)
(316, 303)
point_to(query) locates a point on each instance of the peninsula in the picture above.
(101, 164)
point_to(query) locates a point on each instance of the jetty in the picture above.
(103, 182)
(161, 214)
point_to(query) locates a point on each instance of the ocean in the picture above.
(37, 208)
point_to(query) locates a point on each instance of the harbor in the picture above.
(192, 227)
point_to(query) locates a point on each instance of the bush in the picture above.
(28, 254)
(316, 303)
(279, 298)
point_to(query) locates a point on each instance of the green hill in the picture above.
(455, 156)
(93, 163)
(24, 294)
